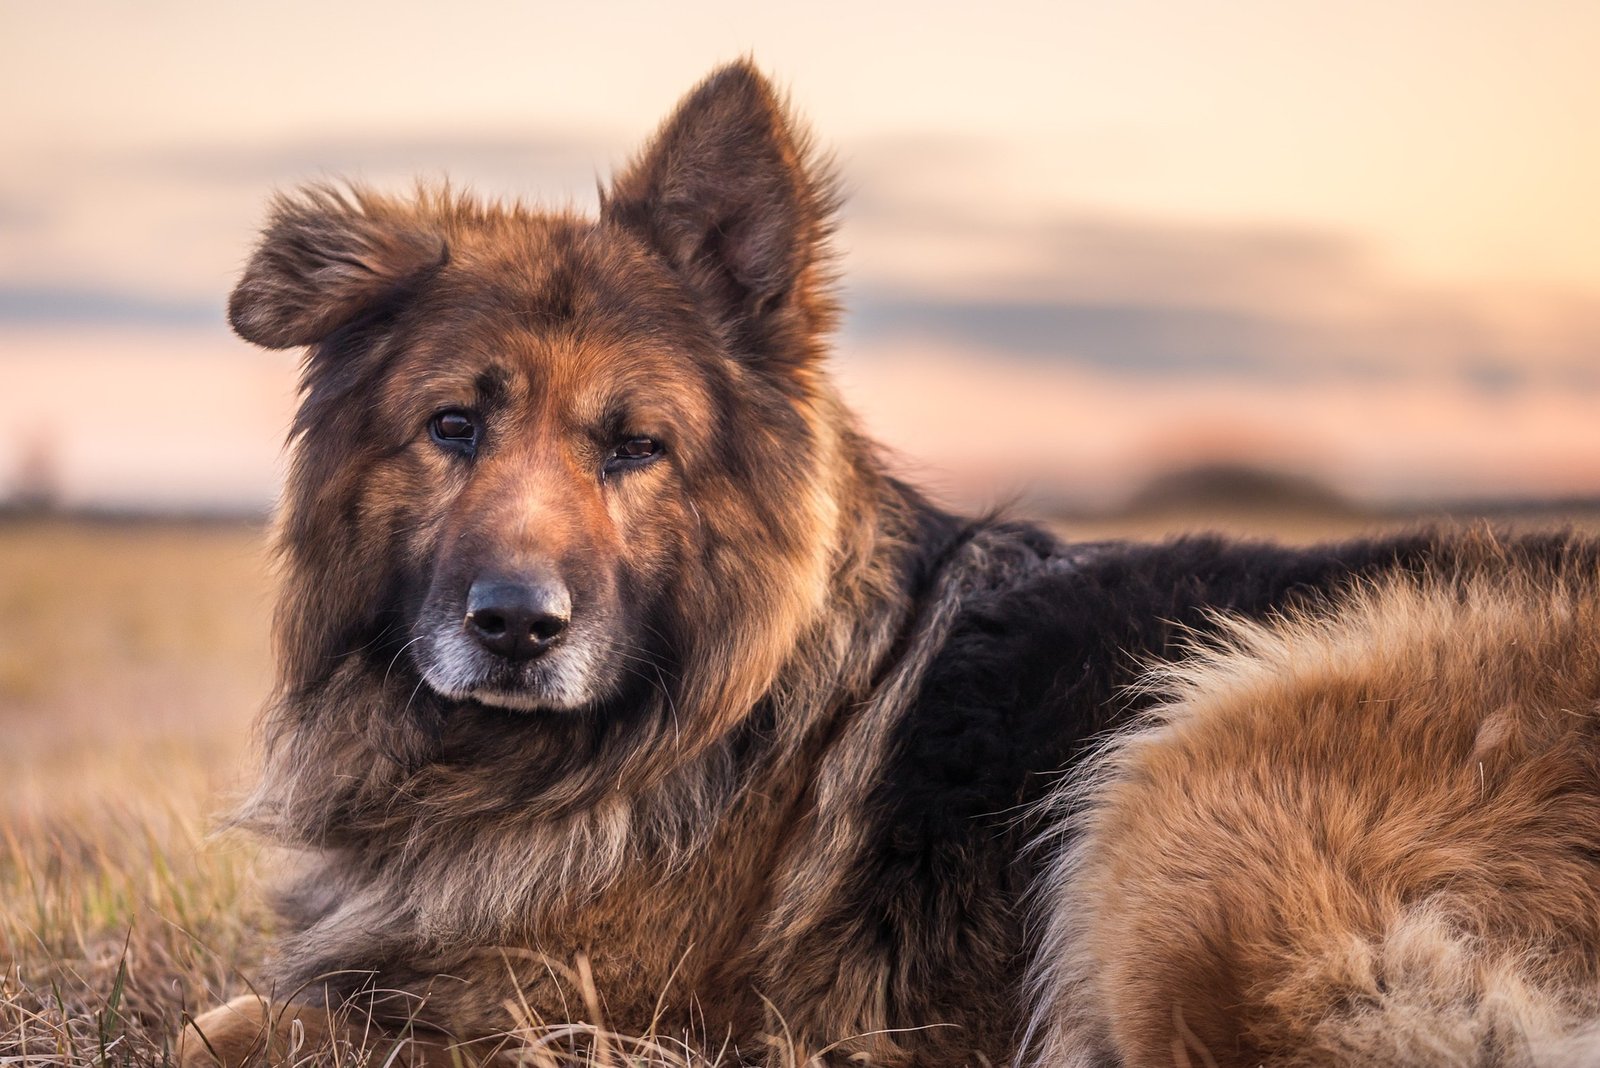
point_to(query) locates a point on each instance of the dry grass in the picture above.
(132, 659)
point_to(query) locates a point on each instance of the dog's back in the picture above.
(1365, 838)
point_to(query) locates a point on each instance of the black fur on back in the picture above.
(1032, 673)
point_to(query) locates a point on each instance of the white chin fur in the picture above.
(561, 682)
(521, 702)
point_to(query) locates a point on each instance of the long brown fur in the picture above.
(640, 843)
(779, 774)
(1369, 837)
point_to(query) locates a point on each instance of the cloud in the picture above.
(24, 305)
(1154, 339)
(995, 248)
(21, 215)
(174, 224)
(550, 164)
(1133, 338)
(1152, 297)
(156, 237)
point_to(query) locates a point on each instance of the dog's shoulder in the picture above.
(1038, 656)
(1042, 651)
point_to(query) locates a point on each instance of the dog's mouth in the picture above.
(564, 679)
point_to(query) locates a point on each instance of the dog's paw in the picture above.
(252, 1032)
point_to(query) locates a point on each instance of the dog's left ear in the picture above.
(728, 194)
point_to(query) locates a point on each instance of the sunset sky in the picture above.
(1086, 242)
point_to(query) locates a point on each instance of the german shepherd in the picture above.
(621, 685)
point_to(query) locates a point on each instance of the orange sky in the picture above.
(1302, 211)
(1460, 135)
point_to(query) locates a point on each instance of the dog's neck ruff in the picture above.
(819, 726)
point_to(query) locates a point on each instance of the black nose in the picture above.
(518, 620)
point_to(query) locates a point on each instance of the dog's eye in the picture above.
(455, 429)
(631, 453)
(638, 449)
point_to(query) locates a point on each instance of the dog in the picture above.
(622, 685)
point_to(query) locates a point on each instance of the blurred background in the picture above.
(1342, 250)
(1277, 267)
(1288, 267)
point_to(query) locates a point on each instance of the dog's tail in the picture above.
(1367, 837)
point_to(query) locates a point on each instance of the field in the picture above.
(133, 657)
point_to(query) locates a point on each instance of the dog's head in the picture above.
(556, 468)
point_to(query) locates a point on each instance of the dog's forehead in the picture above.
(538, 272)
(530, 306)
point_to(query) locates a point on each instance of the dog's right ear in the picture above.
(326, 259)
(730, 194)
